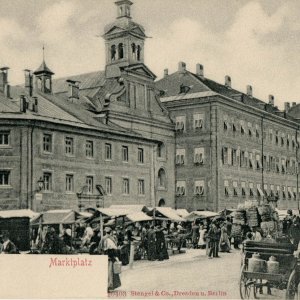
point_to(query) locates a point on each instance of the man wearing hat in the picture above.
(8, 247)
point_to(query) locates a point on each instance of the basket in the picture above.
(117, 267)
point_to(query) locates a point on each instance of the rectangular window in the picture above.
(180, 156)
(141, 187)
(4, 178)
(198, 121)
(180, 123)
(260, 193)
(251, 160)
(226, 188)
(235, 188)
(125, 188)
(108, 154)
(199, 188)
(243, 184)
(89, 149)
(89, 184)
(199, 156)
(4, 138)
(258, 162)
(225, 155)
(108, 185)
(284, 193)
(140, 155)
(251, 189)
(242, 128)
(69, 145)
(69, 183)
(180, 188)
(47, 176)
(47, 143)
(125, 153)
(234, 157)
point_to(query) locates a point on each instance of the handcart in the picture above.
(287, 278)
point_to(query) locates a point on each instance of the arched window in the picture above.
(138, 54)
(162, 179)
(121, 50)
(133, 47)
(121, 10)
(113, 52)
(161, 203)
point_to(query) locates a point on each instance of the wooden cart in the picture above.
(287, 279)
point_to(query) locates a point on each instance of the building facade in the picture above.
(230, 146)
(90, 140)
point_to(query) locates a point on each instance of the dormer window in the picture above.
(184, 89)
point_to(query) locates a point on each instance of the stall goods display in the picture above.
(239, 217)
(252, 217)
(236, 231)
(266, 213)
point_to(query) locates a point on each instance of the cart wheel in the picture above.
(292, 287)
(246, 286)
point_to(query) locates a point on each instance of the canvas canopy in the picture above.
(166, 213)
(138, 217)
(200, 215)
(63, 216)
(18, 213)
(131, 208)
(182, 212)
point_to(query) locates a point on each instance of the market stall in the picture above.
(17, 224)
(204, 214)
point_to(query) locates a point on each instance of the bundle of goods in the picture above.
(269, 228)
(239, 217)
(252, 216)
(236, 231)
(266, 213)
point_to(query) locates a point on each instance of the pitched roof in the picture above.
(43, 69)
(170, 88)
(87, 81)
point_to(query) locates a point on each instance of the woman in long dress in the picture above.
(224, 244)
(110, 249)
(201, 242)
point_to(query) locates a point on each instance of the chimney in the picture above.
(7, 91)
(286, 106)
(181, 67)
(249, 91)
(166, 72)
(28, 82)
(3, 78)
(228, 81)
(200, 70)
(35, 104)
(271, 100)
(294, 104)
(23, 104)
(73, 89)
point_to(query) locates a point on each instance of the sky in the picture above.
(255, 42)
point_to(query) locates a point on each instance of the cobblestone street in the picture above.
(189, 275)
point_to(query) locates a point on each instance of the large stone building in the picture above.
(90, 140)
(230, 146)
(118, 137)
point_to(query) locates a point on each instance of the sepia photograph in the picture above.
(149, 149)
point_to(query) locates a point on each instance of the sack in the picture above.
(117, 267)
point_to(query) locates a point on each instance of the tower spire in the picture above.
(43, 52)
